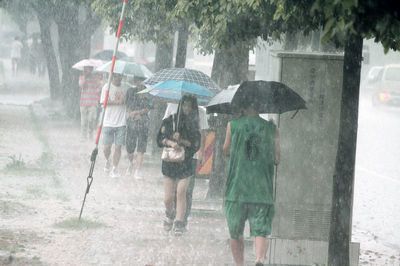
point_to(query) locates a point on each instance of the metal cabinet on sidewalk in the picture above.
(308, 151)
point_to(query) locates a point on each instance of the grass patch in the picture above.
(76, 224)
(16, 164)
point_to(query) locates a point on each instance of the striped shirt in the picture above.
(90, 89)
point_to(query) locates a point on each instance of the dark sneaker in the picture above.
(168, 223)
(259, 264)
(179, 228)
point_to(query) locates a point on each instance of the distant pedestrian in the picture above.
(36, 57)
(253, 146)
(16, 48)
(114, 124)
(172, 108)
(179, 130)
(137, 130)
(90, 90)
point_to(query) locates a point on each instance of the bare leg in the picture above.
(237, 248)
(261, 245)
(107, 151)
(169, 193)
(117, 155)
(181, 198)
(131, 157)
(139, 161)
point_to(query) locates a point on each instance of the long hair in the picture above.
(193, 118)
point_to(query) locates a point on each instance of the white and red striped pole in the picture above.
(118, 36)
(96, 150)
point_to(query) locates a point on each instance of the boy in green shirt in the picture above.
(253, 146)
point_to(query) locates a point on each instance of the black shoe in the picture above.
(259, 264)
(179, 228)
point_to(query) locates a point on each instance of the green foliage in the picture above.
(340, 19)
(76, 224)
(17, 163)
(147, 20)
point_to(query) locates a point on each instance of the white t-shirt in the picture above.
(115, 115)
(16, 47)
(172, 108)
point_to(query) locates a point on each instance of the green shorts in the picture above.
(259, 215)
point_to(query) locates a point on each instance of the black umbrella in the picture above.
(269, 97)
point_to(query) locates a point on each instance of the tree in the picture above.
(146, 20)
(345, 23)
(74, 32)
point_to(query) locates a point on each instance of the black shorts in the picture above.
(136, 136)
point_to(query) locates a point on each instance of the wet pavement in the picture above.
(43, 188)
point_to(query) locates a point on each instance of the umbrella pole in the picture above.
(276, 166)
(95, 150)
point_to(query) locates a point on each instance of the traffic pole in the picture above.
(96, 149)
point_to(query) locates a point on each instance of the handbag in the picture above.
(170, 154)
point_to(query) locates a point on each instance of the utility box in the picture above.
(309, 143)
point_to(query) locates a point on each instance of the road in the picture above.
(376, 211)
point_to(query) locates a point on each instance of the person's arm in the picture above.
(277, 147)
(81, 81)
(227, 143)
(163, 139)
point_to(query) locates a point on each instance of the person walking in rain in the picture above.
(16, 48)
(137, 130)
(253, 146)
(114, 124)
(172, 108)
(181, 129)
(90, 89)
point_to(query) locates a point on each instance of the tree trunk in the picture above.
(68, 32)
(183, 37)
(343, 179)
(50, 55)
(164, 54)
(230, 67)
(68, 57)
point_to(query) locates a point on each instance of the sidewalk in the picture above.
(122, 218)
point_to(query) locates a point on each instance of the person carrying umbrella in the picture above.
(114, 124)
(179, 130)
(253, 146)
(90, 89)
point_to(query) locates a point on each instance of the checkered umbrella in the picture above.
(182, 74)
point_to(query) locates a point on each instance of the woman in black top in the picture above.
(187, 135)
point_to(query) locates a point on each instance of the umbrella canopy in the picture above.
(269, 97)
(126, 68)
(106, 55)
(183, 74)
(175, 89)
(87, 63)
(221, 103)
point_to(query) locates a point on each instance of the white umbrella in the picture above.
(87, 63)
